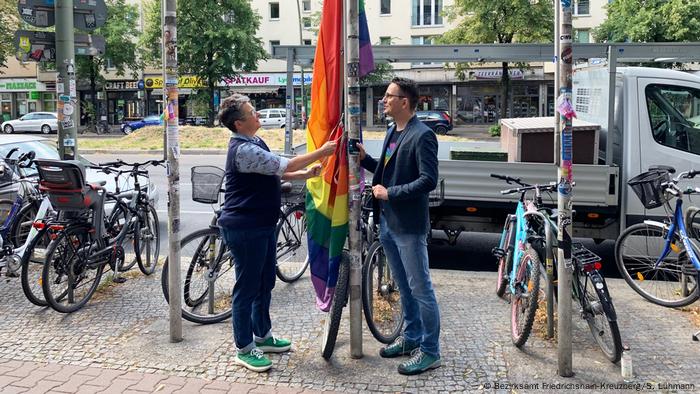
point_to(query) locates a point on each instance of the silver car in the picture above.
(45, 122)
(46, 149)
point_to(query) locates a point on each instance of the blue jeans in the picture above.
(254, 255)
(407, 255)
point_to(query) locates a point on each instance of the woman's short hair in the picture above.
(230, 110)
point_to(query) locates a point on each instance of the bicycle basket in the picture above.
(437, 196)
(206, 184)
(647, 186)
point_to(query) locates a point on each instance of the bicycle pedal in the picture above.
(119, 280)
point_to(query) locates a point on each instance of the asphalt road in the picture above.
(471, 253)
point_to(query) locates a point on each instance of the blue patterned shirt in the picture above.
(250, 158)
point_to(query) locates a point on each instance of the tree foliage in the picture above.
(216, 39)
(9, 20)
(650, 21)
(500, 22)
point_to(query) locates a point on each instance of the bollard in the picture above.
(626, 365)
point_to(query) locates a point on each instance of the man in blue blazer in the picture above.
(403, 177)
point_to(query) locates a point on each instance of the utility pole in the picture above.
(352, 127)
(289, 104)
(67, 106)
(566, 177)
(301, 66)
(172, 153)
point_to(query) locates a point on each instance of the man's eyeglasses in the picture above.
(389, 95)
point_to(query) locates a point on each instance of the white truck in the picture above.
(656, 121)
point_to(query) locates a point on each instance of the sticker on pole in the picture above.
(68, 142)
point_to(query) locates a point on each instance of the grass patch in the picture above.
(197, 137)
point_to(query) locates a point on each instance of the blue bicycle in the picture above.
(518, 261)
(659, 260)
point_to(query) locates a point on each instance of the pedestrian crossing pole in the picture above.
(352, 127)
(68, 106)
(172, 154)
(565, 189)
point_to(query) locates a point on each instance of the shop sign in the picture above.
(497, 74)
(273, 79)
(34, 96)
(121, 85)
(21, 85)
(185, 81)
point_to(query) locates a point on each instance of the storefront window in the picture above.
(21, 99)
(49, 100)
(477, 104)
(6, 106)
(526, 99)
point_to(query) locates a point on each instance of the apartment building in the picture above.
(25, 87)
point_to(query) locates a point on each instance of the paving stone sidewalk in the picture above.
(121, 337)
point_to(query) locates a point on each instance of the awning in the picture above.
(253, 89)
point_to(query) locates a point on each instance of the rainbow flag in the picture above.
(366, 56)
(327, 197)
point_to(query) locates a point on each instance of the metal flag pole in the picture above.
(172, 153)
(565, 175)
(352, 127)
(68, 106)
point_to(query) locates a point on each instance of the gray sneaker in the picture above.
(400, 347)
(418, 363)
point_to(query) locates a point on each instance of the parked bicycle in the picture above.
(528, 238)
(81, 244)
(659, 260)
(292, 249)
(381, 295)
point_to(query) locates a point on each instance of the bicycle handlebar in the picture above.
(548, 188)
(510, 180)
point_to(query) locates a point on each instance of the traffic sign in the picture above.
(40, 46)
(87, 14)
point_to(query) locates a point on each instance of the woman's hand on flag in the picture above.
(314, 171)
(328, 148)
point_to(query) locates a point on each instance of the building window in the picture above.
(583, 7)
(427, 12)
(583, 36)
(384, 40)
(110, 64)
(385, 7)
(307, 42)
(306, 22)
(274, 10)
(273, 43)
(306, 5)
(423, 40)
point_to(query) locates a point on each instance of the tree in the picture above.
(120, 32)
(499, 21)
(650, 21)
(9, 20)
(216, 39)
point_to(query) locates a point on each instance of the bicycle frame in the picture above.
(522, 230)
(677, 222)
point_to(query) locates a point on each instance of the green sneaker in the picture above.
(418, 363)
(400, 347)
(274, 345)
(255, 360)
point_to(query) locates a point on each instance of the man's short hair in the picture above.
(409, 88)
(230, 110)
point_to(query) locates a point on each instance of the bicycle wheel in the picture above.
(381, 298)
(66, 280)
(524, 301)
(505, 258)
(292, 251)
(671, 283)
(599, 313)
(114, 224)
(332, 323)
(22, 223)
(147, 240)
(32, 264)
(208, 276)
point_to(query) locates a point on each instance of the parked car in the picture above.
(45, 122)
(274, 118)
(151, 120)
(46, 149)
(438, 121)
